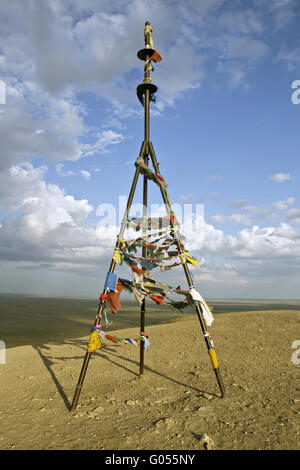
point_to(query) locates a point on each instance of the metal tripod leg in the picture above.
(207, 338)
(111, 269)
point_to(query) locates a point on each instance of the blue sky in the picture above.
(224, 127)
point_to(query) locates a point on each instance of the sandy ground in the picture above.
(174, 405)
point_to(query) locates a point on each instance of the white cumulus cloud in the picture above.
(279, 177)
(86, 174)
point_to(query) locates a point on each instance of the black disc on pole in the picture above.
(140, 90)
(143, 53)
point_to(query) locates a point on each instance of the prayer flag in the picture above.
(113, 297)
(136, 270)
(156, 57)
(111, 281)
(117, 256)
(94, 342)
(111, 338)
(190, 259)
(208, 317)
(159, 300)
(138, 278)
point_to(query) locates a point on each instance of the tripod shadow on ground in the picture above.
(48, 364)
(108, 354)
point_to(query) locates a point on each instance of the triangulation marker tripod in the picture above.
(145, 93)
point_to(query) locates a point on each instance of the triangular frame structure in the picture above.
(145, 93)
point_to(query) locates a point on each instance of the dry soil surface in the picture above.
(176, 403)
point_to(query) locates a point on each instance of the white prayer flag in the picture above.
(136, 277)
(208, 317)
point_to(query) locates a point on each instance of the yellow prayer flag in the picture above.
(94, 342)
(190, 258)
(117, 257)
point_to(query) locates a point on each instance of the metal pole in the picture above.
(144, 255)
(145, 203)
(144, 250)
(145, 184)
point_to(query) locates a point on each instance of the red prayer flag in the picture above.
(149, 245)
(111, 338)
(113, 298)
(159, 177)
(156, 57)
(173, 253)
(137, 270)
(159, 300)
(173, 265)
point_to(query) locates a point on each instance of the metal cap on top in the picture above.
(148, 49)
